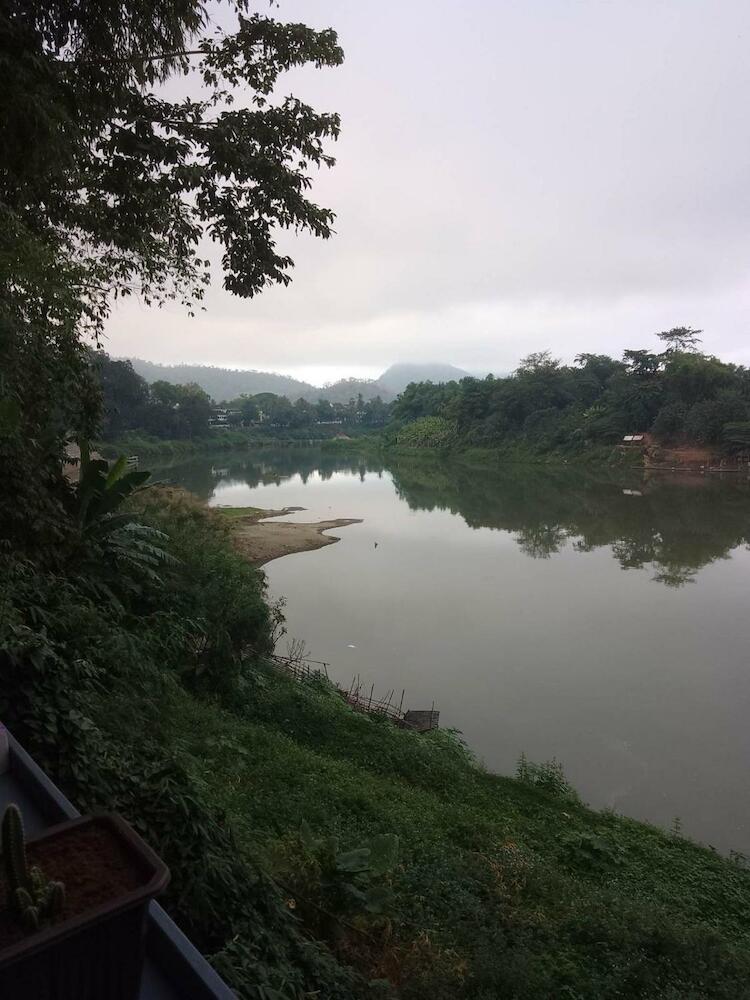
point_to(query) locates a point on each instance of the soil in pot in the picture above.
(92, 862)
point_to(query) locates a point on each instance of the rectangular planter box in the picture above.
(97, 954)
(175, 969)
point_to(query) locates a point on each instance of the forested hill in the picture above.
(397, 377)
(678, 394)
(229, 383)
(222, 383)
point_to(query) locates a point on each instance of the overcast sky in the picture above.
(511, 176)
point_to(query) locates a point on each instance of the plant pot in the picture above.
(96, 950)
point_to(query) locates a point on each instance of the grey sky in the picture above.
(511, 176)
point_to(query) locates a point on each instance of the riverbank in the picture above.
(500, 887)
(261, 540)
(145, 446)
(601, 456)
(336, 441)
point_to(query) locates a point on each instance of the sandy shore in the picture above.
(261, 540)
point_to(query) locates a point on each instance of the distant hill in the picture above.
(348, 388)
(397, 377)
(222, 383)
(228, 383)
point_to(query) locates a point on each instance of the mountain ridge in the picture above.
(399, 375)
(228, 383)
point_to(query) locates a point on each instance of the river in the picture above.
(598, 618)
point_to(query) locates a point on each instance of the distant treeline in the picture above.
(228, 383)
(181, 412)
(678, 394)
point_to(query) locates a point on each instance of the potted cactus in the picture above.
(73, 906)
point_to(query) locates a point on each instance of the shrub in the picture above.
(428, 432)
(90, 688)
(548, 776)
(217, 600)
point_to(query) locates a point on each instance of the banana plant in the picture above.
(118, 553)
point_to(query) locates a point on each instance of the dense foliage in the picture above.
(175, 412)
(278, 411)
(107, 188)
(679, 395)
(90, 686)
(162, 409)
(428, 432)
(110, 615)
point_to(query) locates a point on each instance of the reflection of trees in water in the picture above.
(676, 526)
(540, 541)
(264, 467)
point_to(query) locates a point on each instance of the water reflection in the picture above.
(264, 467)
(511, 598)
(673, 526)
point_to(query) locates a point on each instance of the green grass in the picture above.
(146, 446)
(522, 453)
(503, 889)
(362, 440)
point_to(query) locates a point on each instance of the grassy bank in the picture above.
(145, 446)
(525, 454)
(503, 887)
(519, 453)
(367, 442)
(163, 707)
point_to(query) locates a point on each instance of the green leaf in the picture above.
(10, 415)
(307, 836)
(378, 899)
(354, 861)
(116, 470)
(383, 853)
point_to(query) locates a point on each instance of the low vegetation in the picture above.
(428, 432)
(156, 449)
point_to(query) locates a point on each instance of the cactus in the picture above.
(35, 899)
(14, 851)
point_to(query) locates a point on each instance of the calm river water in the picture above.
(599, 619)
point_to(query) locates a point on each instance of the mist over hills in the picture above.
(398, 376)
(228, 383)
(222, 383)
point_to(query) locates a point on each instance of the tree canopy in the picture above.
(116, 185)
(110, 187)
(679, 394)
